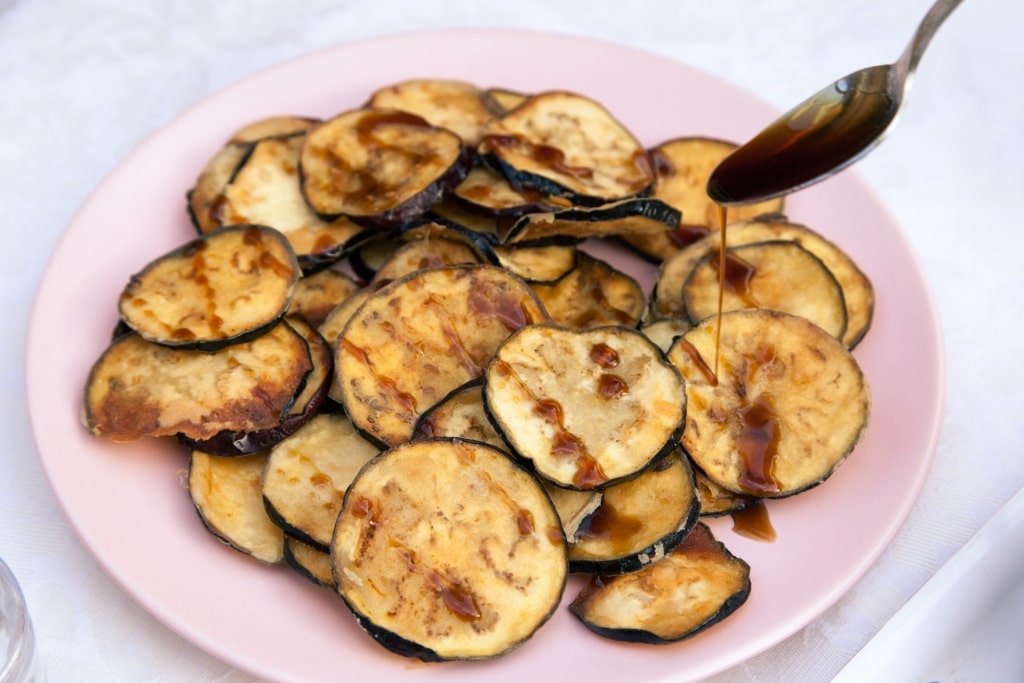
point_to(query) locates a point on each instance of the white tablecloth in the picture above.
(84, 81)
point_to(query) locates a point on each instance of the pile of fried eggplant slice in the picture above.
(397, 371)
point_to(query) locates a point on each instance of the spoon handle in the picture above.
(925, 30)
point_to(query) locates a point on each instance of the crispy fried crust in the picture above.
(445, 549)
(788, 405)
(415, 340)
(587, 408)
(306, 406)
(224, 287)
(137, 388)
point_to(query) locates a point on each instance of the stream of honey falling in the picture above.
(723, 214)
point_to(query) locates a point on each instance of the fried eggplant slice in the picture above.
(310, 562)
(137, 388)
(380, 167)
(587, 408)
(279, 126)
(694, 587)
(336, 320)
(779, 274)
(488, 193)
(716, 501)
(564, 143)
(636, 215)
(507, 99)
(265, 191)
(415, 340)
(593, 294)
(787, 406)
(219, 289)
(428, 252)
(226, 494)
(639, 521)
(318, 294)
(446, 550)
(206, 197)
(456, 105)
(307, 475)
(858, 292)
(460, 415)
(665, 331)
(307, 405)
(541, 265)
(682, 167)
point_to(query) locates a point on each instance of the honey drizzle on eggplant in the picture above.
(564, 444)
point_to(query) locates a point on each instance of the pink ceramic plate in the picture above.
(127, 501)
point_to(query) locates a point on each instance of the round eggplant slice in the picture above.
(223, 288)
(593, 294)
(539, 265)
(694, 587)
(456, 105)
(137, 388)
(587, 408)
(639, 521)
(318, 294)
(206, 198)
(460, 415)
(265, 191)
(306, 406)
(780, 275)
(858, 293)
(310, 562)
(307, 475)
(446, 549)
(429, 252)
(415, 340)
(226, 494)
(788, 404)
(563, 143)
(380, 167)
(682, 167)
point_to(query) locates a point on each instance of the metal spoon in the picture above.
(826, 132)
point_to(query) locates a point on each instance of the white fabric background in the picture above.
(83, 81)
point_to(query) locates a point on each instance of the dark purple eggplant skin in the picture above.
(394, 642)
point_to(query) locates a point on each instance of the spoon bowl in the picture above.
(826, 132)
